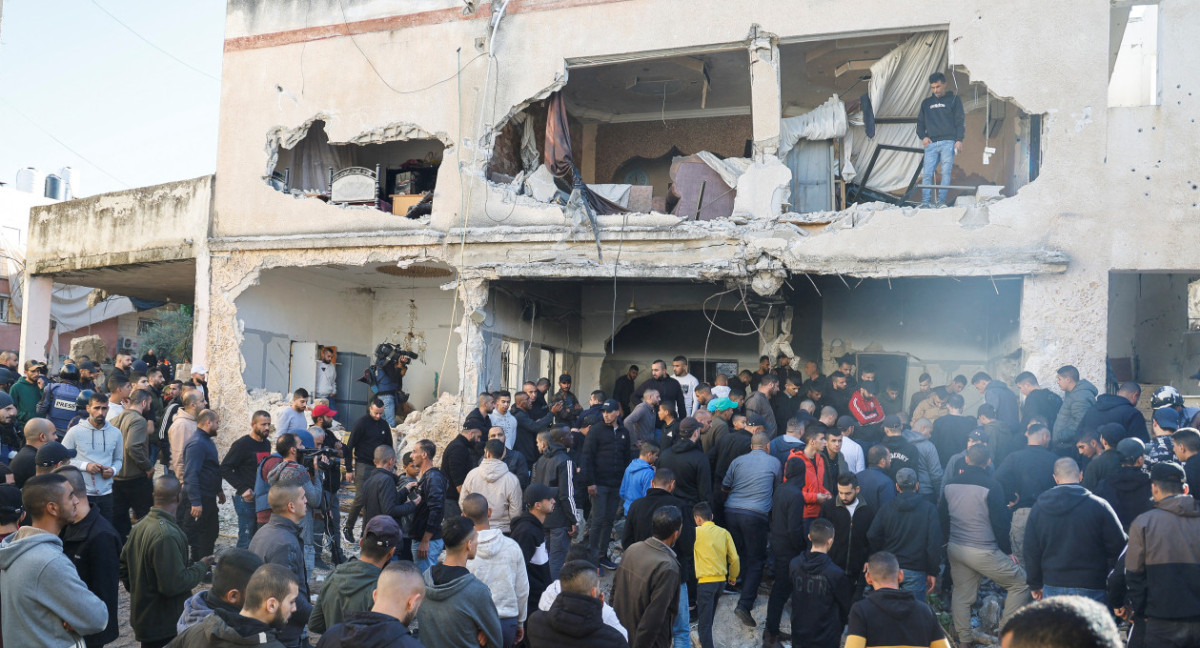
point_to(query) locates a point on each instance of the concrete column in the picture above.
(474, 296)
(200, 307)
(35, 318)
(587, 157)
(1064, 321)
(766, 96)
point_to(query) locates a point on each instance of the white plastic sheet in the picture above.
(899, 82)
(824, 122)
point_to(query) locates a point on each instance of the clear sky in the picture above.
(134, 115)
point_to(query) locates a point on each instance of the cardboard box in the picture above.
(401, 203)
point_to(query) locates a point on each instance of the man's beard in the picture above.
(279, 619)
(408, 617)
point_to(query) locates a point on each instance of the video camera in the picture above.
(305, 456)
(387, 354)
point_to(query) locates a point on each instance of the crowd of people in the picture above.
(829, 497)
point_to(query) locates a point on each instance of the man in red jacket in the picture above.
(864, 406)
(813, 455)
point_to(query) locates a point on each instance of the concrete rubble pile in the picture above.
(440, 423)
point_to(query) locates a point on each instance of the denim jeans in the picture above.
(914, 581)
(749, 531)
(508, 629)
(435, 552)
(246, 518)
(706, 608)
(600, 524)
(940, 156)
(557, 544)
(389, 408)
(682, 627)
(1097, 595)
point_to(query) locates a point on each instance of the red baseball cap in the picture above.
(323, 410)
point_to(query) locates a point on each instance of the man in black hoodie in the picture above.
(530, 534)
(685, 457)
(1127, 491)
(576, 617)
(398, 596)
(458, 459)
(941, 128)
(1108, 461)
(1038, 401)
(94, 547)
(606, 452)
(907, 527)
(820, 613)
(787, 542)
(904, 453)
(1025, 475)
(1118, 408)
(889, 616)
(1072, 540)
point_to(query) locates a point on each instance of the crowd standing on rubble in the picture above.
(828, 496)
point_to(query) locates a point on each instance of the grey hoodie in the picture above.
(1075, 404)
(455, 611)
(40, 591)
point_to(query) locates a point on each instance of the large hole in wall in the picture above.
(634, 126)
(1154, 329)
(397, 176)
(881, 80)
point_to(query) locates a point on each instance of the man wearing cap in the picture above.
(1161, 446)
(1072, 539)
(58, 399)
(908, 528)
(200, 379)
(904, 453)
(351, 586)
(1162, 561)
(1127, 490)
(564, 404)
(760, 403)
(27, 392)
(722, 410)
(100, 451)
(52, 455)
(90, 376)
(606, 453)
(9, 440)
(667, 387)
(684, 457)
(530, 534)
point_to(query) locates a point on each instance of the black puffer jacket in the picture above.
(908, 527)
(1072, 539)
(1128, 492)
(639, 523)
(95, 548)
(787, 513)
(573, 620)
(849, 549)
(693, 475)
(606, 452)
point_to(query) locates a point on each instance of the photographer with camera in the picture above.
(391, 365)
(284, 467)
(325, 440)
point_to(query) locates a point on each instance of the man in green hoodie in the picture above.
(351, 587)
(27, 393)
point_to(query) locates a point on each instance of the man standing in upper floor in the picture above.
(941, 127)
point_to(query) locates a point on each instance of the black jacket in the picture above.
(527, 530)
(821, 600)
(240, 462)
(1026, 474)
(732, 445)
(94, 547)
(850, 544)
(380, 496)
(556, 470)
(904, 454)
(1041, 402)
(1191, 468)
(1127, 491)
(573, 620)
(369, 630)
(366, 435)
(1107, 463)
(639, 522)
(517, 465)
(941, 118)
(908, 528)
(477, 420)
(1113, 408)
(24, 465)
(890, 617)
(788, 538)
(457, 460)
(668, 390)
(622, 391)
(431, 510)
(1072, 539)
(606, 452)
(693, 475)
(950, 434)
(527, 431)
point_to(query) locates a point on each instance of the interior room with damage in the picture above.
(672, 132)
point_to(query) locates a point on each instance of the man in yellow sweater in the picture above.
(716, 564)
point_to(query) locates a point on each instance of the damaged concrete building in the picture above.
(521, 188)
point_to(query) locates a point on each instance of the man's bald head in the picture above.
(399, 591)
(39, 431)
(166, 491)
(192, 400)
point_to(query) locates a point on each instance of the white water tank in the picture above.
(70, 177)
(55, 188)
(30, 180)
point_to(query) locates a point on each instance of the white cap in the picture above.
(199, 369)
